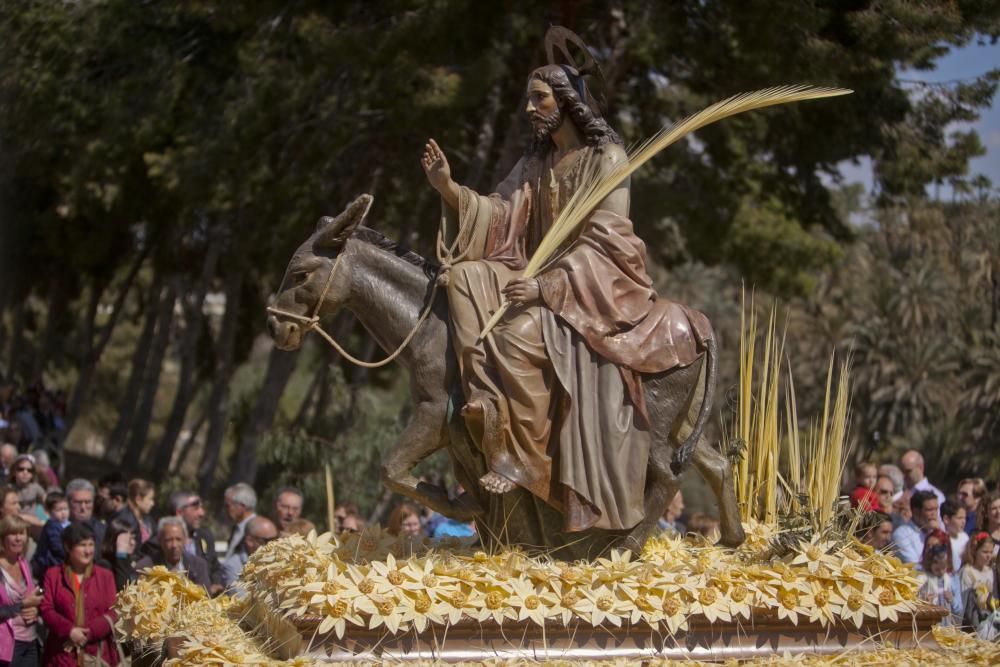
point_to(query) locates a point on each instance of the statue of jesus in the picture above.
(554, 393)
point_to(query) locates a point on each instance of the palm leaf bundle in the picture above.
(594, 189)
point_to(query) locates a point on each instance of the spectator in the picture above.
(970, 493)
(46, 476)
(352, 523)
(953, 518)
(30, 493)
(976, 578)
(884, 493)
(141, 499)
(287, 507)
(909, 537)
(989, 518)
(341, 513)
(863, 495)
(240, 502)
(113, 502)
(405, 520)
(877, 532)
(171, 533)
(704, 525)
(259, 531)
(670, 522)
(80, 494)
(896, 475)
(8, 452)
(302, 527)
(49, 551)
(912, 465)
(936, 585)
(19, 597)
(118, 552)
(901, 512)
(11, 504)
(448, 527)
(189, 507)
(78, 601)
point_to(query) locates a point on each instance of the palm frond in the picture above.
(594, 188)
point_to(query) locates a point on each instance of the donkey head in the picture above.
(308, 288)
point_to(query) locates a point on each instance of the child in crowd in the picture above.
(953, 516)
(976, 579)
(50, 547)
(863, 496)
(937, 585)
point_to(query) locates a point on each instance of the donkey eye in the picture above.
(299, 277)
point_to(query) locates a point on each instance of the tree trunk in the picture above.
(193, 319)
(319, 379)
(91, 351)
(279, 369)
(151, 378)
(17, 337)
(189, 443)
(87, 363)
(4, 303)
(58, 308)
(140, 357)
(218, 402)
(486, 135)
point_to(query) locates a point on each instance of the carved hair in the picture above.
(595, 129)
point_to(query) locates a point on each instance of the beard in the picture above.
(543, 130)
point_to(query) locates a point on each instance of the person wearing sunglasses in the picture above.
(30, 493)
(259, 531)
(189, 507)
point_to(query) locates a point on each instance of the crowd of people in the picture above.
(952, 540)
(66, 551)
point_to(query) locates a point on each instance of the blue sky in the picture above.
(963, 63)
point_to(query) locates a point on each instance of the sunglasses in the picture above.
(25, 469)
(193, 503)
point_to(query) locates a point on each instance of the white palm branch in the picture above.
(594, 189)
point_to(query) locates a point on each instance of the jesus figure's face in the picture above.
(543, 108)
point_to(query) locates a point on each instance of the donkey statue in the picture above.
(389, 289)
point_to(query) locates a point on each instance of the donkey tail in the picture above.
(683, 454)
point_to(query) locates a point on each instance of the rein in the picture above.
(311, 323)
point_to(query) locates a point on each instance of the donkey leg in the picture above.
(660, 490)
(425, 434)
(718, 472)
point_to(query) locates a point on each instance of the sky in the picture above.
(964, 63)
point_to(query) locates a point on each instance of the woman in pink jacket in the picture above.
(19, 598)
(77, 605)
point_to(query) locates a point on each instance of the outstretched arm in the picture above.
(438, 173)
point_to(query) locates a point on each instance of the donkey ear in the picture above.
(331, 233)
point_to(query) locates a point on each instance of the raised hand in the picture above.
(436, 166)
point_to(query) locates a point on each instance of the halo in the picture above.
(558, 39)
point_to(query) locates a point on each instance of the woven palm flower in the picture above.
(531, 601)
(790, 602)
(890, 605)
(675, 612)
(814, 553)
(822, 603)
(603, 603)
(712, 604)
(568, 598)
(420, 608)
(857, 605)
(492, 603)
(617, 567)
(337, 613)
(381, 610)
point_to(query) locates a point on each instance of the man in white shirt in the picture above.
(240, 502)
(912, 465)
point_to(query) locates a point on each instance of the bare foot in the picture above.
(495, 483)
